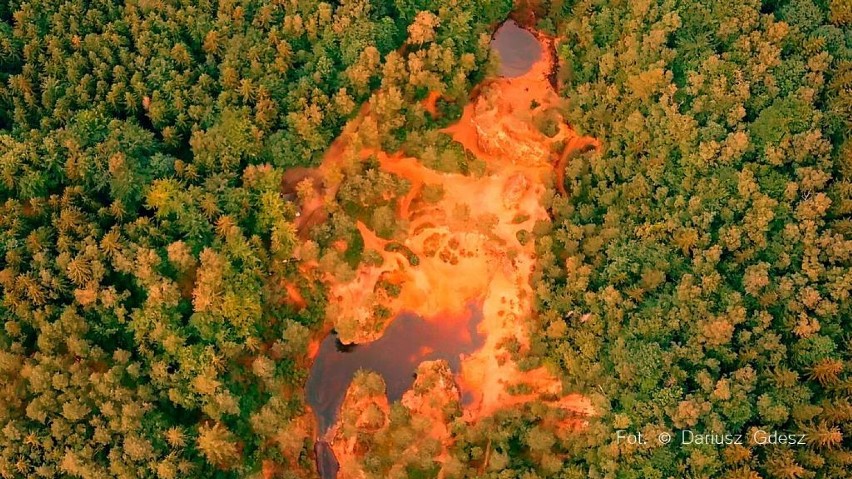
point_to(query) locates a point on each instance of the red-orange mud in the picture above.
(294, 296)
(467, 242)
(430, 103)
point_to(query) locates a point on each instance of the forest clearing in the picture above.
(469, 249)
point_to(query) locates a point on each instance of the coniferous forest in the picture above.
(161, 288)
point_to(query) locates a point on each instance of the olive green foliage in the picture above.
(144, 242)
(437, 151)
(515, 442)
(370, 196)
(709, 240)
(696, 277)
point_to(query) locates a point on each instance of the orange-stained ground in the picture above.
(467, 242)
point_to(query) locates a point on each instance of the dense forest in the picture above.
(697, 275)
(711, 238)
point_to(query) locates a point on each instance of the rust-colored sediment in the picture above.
(467, 243)
(430, 103)
(294, 296)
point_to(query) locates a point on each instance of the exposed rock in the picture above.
(514, 189)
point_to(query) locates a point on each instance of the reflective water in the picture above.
(408, 341)
(518, 49)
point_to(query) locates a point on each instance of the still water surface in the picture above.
(408, 341)
(518, 49)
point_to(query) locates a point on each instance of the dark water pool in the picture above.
(518, 49)
(408, 341)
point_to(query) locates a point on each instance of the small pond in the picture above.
(408, 341)
(518, 49)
